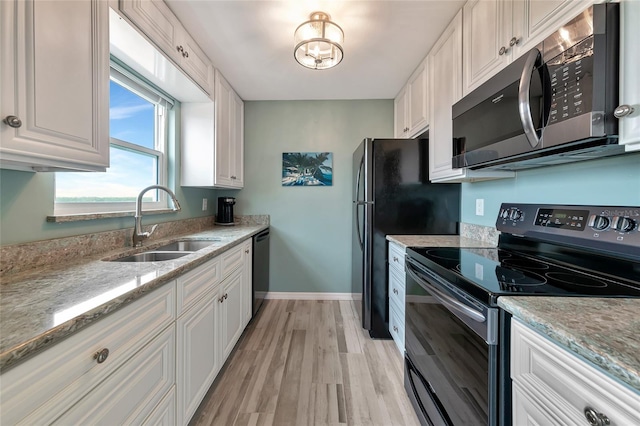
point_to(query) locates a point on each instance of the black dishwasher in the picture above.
(260, 268)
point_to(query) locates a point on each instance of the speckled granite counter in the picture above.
(437, 241)
(42, 306)
(605, 331)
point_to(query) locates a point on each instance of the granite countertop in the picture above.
(40, 307)
(437, 241)
(604, 331)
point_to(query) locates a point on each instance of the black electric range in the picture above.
(457, 339)
(548, 250)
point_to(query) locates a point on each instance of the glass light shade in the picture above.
(318, 42)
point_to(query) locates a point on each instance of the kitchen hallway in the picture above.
(303, 362)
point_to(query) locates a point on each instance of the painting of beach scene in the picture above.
(307, 169)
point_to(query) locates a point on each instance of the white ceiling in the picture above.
(251, 43)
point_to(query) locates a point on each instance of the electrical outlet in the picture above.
(479, 206)
(204, 204)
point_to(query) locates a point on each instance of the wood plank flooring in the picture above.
(308, 362)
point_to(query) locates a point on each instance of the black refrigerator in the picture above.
(392, 195)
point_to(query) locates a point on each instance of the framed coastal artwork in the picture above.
(307, 169)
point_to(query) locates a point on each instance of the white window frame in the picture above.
(163, 104)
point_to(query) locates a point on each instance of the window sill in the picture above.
(63, 218)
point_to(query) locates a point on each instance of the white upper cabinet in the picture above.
(445, 74)
(155, 20)
(629, 122)
(498, 31)
(229, 140)
(411, 113)
(55, 85)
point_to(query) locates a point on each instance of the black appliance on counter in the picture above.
(456, 337)
(225, 210)
(392, 195)
(555, 104)
(260, 268)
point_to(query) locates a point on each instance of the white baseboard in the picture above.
(312, 296)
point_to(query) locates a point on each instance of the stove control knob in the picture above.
(504, 214)
(515, 214)
(599, 223)
(623, 224)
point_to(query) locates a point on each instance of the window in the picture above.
(138, 146)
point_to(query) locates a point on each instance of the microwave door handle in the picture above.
(524, 106)
(443, 298)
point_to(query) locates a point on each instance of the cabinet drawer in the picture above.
(396, 256)
(397, 288)
(195, 284)
(40, 389)
(130, 394)
(396, 327)
(231, 260)
(563, 384)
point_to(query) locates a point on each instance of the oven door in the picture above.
(450, 343)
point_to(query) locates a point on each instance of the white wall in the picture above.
(310, 226)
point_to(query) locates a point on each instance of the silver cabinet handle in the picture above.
(621, 111)
(247, 251)
(101, 356)
(395, 328)
(395, 259)
(395, 291)
(12, 121)
(594, 418)
(502, 51)
(514, 41)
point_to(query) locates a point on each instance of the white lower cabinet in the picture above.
(132, 393)
(163, 352)
(396, 281)
(50, 384)
(198, 359)
(552, 386)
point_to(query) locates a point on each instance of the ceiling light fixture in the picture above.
(318, 42)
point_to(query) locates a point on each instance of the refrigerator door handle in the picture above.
(359, 203)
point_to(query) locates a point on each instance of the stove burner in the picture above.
(513, 277)
(575, 280)
(524, 264)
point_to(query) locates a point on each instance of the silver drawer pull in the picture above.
(594, 418)
(101, 356)
(395, 291)
(12, 121)
(395, 328)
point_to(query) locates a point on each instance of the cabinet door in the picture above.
(534, 20)
(247, 290)
(237, 140)
(157, 22)
(197, 355)
(417, 91)
(223, 95)
(56, 83)
(629, 81)
(195, 63)
(487, 28)
(445, 63)
(230, 300)
(132, 393)
(400, 128)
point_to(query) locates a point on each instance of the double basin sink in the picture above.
(170, 251)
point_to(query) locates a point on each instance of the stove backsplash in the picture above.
(488, 234)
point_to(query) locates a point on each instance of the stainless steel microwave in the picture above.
(552, 105)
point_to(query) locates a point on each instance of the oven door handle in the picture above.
(443, 298)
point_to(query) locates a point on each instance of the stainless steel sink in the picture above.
(187, 245)
(153, 256)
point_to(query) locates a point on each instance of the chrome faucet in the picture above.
(138, 235)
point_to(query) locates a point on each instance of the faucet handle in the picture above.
(153, 229)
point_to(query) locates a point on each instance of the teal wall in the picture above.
(311, 226)
(610, 181)
(26, 199)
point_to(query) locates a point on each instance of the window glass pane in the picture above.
(131, 118)
(129, 173)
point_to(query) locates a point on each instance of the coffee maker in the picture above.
(225, 210)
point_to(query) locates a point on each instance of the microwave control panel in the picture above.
(571, 79)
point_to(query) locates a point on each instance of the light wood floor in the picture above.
(308, 362)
